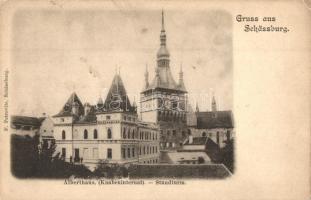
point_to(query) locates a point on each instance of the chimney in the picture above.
(190, 139)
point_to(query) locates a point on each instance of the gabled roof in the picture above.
(217, 119)
(117, 99)
(67, 108)
(24, 120)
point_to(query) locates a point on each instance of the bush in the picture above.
(108, 170)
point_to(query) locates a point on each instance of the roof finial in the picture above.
(146, 77)
(162, 20)
(196, 107)
(214, 104)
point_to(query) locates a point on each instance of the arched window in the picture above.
(128, 133)
(203, 134)
(109, 134)
(85, 134)
(63, 135)
(133, 134)
(95, 134)
(124, 133)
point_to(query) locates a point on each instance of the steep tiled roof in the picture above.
(67, 108)
(217, 119)
(24, 120)
(164, 79)
(89, 118)
(117, 99)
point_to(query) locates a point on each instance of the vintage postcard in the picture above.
(155, 99)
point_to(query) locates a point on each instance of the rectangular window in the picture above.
(108, 117)
(128, 152)
(109, 153)
(133, 152)
(64, 152)
(123, 153)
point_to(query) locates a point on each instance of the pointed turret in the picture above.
(197, 107)
(100, 102)
(214, 105)
(134, 105)
(117, 99)
(73, 106)
(146, 77)
(181, 84)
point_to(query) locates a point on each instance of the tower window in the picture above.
(128, 152)
(168, 133)
(109, 133)
(129, 134)
(63, 135)
(85, 134)
(124, 133)
(174, 132)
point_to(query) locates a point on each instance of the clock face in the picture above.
(167, 103)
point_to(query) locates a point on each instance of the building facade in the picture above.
(107, 132)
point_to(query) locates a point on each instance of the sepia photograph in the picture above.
(132, 94)
(155, 99)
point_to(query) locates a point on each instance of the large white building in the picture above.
(106, 132)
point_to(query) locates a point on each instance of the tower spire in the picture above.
(162, 21)
(196, 107)
(181, 79)
(146, 77)
(163, 54)
(214, 105)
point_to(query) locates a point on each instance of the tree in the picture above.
(32, 160)
(227, 155)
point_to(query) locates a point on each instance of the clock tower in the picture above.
(163, 101)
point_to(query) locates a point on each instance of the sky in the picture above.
(56, 52)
